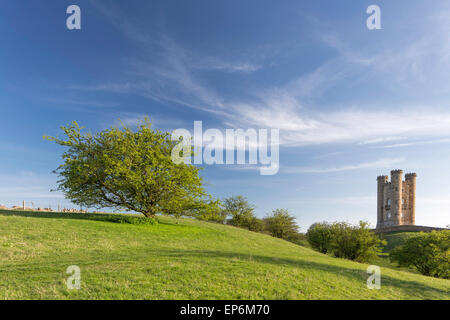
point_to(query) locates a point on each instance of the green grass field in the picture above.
(189, 260)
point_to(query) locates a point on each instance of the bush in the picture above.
(298, 238)
(210, 210)
(212, 216)
(135, 220)
(242, 213)
(254, 224)
(319, 236)
(280, 224)
(344, 240)
(429, 253)
(355, 242)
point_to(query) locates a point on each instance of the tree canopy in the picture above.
(343, 240)
(126, 169)
(242, 213)
(281, 224)
(428, 252)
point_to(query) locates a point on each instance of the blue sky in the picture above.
(350, 103)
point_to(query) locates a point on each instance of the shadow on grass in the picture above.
(105, 217)
(339, 271)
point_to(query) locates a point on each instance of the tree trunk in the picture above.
(149, 214)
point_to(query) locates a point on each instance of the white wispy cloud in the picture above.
(170, 76)
(210, 63)
(346, 126)
(381, 163)
(380, 140)
(414, 143)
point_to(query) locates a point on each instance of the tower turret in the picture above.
(381, 181)
(410, 179)
(397, 192)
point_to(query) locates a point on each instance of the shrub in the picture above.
(344, 240)
(255, 224)
(135, 220)
(209, 210)
(280, 224)
(429, 253)
(241, 212)
(355, 242)
(319, 236)
(212, 214)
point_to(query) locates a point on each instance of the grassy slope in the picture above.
(191, 260)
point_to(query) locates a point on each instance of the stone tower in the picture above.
(396, 201)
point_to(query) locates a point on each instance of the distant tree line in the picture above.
(238, 212)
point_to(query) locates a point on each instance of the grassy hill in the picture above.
(189, 260)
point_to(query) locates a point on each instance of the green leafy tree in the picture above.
(211, 211)
(319, 236)
(241, 213)
(255, 224)
(280, 224)
(298, 238)
(131, 170)
(344, 240)
(429, 253)
(355, 242)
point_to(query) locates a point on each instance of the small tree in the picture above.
(429, 253)
(241, 212)
(280, 224)
(122, 168)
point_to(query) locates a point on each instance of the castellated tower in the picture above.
(396, 202)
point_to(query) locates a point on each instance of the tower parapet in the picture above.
(410, 176)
